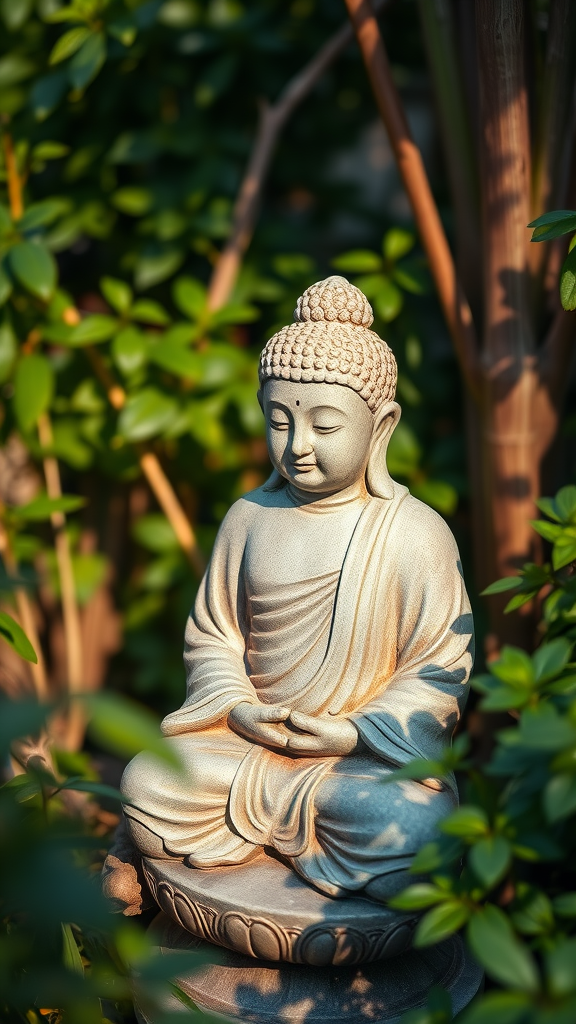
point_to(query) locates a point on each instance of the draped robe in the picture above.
(384, 639)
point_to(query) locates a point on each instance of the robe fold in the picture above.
(384, 640)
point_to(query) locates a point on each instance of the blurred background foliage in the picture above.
(130, 125)
(129, 424)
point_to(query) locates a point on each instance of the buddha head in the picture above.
(327, 387)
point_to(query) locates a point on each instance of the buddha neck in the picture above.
(356, 493)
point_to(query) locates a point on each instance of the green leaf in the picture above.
(47, 92)
(358, 261)
(147, 413)
(550, 531)
(155, 533)
(132, 200)
(154, 268)
(92, 329)
(147, 311)
(543, 728)
(514, 667)
(189, 296)
(87, 62)
(14, 68)
(125, 728)
(560, 797)
(42, 508)
(234, 313)
(50, 150)
(389, 300)
(130, 350)
(82, 785)
(117, 293)
(498, 950)
(417, 897)
(39, 214)
(565, 503)
(181, 361)
(15, 13)
(124, 30)
(70, 953)
(565, 905)
(412, 277)
(440, 922)
(568, 281)
(8, 350)
(551, 658)
(20, 718)
(564, 551)
(548, 507)
(508, 583)
(552, 225)
(489, 859)
(519, 600)
(33, 389)
(467, 822)
(68, 44)
(397, 243)
(560, 972)
(14, 635)
(498, 1008)
(419, 768)
(35, 268)
(531, 911)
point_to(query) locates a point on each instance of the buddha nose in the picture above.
(301, 442)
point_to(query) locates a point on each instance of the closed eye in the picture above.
(327, 430)
(277, 425)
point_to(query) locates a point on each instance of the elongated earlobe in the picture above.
(378, 480)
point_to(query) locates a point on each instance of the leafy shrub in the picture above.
(503, 866)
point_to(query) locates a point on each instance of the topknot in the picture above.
(334, 299)
(330, 342)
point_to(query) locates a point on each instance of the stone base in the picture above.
(264, 909)
(242, 989)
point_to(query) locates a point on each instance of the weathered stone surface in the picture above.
(243, 989)
(263, 909)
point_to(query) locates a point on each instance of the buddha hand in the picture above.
(259, 723)
(323, 737)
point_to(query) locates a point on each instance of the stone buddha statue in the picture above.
(330, 641)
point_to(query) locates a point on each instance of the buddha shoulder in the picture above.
(242, 515)
(422, 534)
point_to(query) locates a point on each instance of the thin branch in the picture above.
(149, 463)
(12, 177)
(411, 167)
(273, 117)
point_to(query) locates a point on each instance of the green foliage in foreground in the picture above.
(504, 865)
(63, 954)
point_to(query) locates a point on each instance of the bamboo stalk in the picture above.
(272, 119)
(150, 464)
(411, 167)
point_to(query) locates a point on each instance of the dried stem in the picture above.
(70, 611)
(273, 117)
(155, 475)
(12, 177)
(409, 160)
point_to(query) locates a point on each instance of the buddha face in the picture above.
(319, 435)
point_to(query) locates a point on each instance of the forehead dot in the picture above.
(297, 401)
